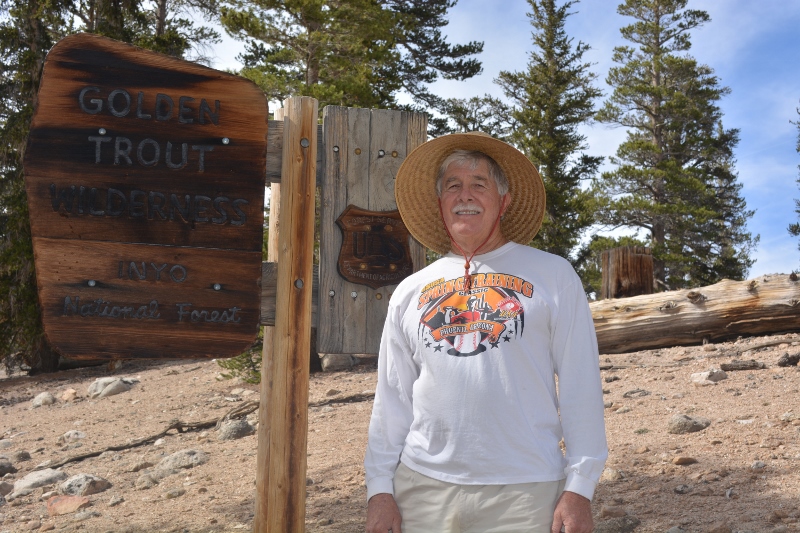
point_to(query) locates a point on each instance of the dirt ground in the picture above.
(743, 471)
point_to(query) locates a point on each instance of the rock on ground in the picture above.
(235, 429)
(624, 524)
(681, 424)
(84, 485)
(103, 387)
(43, 398)
(34, 480)
(183, 459)
(58, 505)
(6, 467)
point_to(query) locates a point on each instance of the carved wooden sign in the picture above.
(145, 179)
(374, 247)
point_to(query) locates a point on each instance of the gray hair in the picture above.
(473, 158)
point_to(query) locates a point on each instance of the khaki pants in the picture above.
(431, 506)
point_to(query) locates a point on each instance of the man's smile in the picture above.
(466, 210)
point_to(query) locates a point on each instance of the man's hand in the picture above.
(573, 513)
(383, 515)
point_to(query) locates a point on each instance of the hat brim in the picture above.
(417, 201)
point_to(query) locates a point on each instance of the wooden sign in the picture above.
(362, 150)
(374, 248)
(145, 179)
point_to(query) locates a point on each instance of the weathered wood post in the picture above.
(283, 431)
(268, 336)
(627, 271)
(361, 261)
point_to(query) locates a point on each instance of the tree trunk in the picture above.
(728, 309)
(627, 271)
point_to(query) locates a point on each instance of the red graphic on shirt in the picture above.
(472, 322)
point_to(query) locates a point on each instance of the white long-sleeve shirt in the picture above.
(467, 390)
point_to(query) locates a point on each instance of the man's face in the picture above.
(471, 205)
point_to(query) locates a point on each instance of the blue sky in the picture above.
(752, 47)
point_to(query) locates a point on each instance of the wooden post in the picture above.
(268, 336)
(363, 150)
(283, 427)
(627, 271)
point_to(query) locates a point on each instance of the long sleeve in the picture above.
(575, 354)
(392, 412)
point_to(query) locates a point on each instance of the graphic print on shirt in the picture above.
(474, 321)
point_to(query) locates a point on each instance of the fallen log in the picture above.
(726, 310)
(736, 364)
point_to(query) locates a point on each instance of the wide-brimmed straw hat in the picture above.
(415, 189)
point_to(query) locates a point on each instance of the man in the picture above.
(467, 427)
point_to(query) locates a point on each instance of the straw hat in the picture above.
(415, 189)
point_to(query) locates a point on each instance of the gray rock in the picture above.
(624, 524)
(682, 489)
(116, 387)
(160, 473)
(21, 456)
(84, 485)
(43, 398)
(73, 435)
(183, 459)
(789, 360)
(5, 488)
(333, 362)
(611, 474)
(103, 387)
(758, 465)
(36, 479)
(681, 424)
(115, 500)
(235, 429)
(145, 481)
(714, 375)
(85, 515)
(5, 443)
(676, 529)
(6, 467)
(141, 465)
(174, 493)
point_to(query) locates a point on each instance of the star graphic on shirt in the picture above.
(427, 344)
(438, 348)
(494, 344)
(506, 338)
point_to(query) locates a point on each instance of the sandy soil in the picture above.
(745, 476)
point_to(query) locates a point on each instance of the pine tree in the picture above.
(550, 101)
(358, 53)
(794, 228)
(480, 113)
(28, 30)
(675, 178)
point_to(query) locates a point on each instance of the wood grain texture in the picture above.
(66, 149)
(389, 131)
(267, 352)
(358, 174)
(627, 271)
(115, 206)
(417, 134)
(275, 151)
(280, 501)
(180, 280)
(725, 310)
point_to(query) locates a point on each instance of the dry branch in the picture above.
(237, 412)
(240, 411)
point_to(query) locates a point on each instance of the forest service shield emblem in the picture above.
(375, 249)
